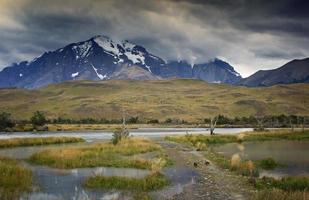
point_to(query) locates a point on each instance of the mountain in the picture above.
(295, 71)
(101, 58)
(216, 71)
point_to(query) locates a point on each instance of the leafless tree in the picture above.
(213, 123)
(260, 121)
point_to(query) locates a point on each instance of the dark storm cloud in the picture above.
(248, 34)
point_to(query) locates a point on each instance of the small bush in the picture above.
(267, 163)
(38, 119)
(153, 121)
(6, 121)
(235, 161)
(120, 134)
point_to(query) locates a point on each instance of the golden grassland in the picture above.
(124, 154)
(15, 142)
(191, 100)
(14, 179)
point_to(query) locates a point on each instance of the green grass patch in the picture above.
(151, 182)
(207, 139)
(14, 179)
(124, 154)
(285, 183)
(277, 135)
(242, 137)
(267, 163)
(16, 142)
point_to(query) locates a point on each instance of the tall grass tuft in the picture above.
(14, 179)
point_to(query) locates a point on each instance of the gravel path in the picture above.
(213, 183)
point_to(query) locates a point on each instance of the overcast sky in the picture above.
(249, 34)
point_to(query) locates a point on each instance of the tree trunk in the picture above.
(213, 123)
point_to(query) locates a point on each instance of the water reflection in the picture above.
(294, 155)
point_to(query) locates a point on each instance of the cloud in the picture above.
(251, 35)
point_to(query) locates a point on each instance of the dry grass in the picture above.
(14, 179)
(276, 194)
(102, 154)
(235, 161)
(15, 142)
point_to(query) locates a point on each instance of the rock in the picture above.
(195, 164)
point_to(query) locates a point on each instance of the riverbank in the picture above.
(112, 127)
(264, 188)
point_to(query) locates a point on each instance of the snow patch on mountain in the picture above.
(98, 74)
(74, 74)
(135, 58)
(82, 50)
(119, 48)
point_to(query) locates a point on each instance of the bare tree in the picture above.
(213, 123)
(260, 121)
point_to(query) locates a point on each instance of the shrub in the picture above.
(267, 163)
(120, 134)
(153, 121)
(6, 121)
(38, 119)
(132, 120)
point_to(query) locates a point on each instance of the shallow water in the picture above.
(62, 184)
(143, 132)
(68, 184)
(294, 155)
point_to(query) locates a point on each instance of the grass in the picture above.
(16, 142)
(151, 182)
(207, 139)
(243, 137)
(267, 163)
(191, 100)
(285, 183)
(277, 135)
(14, 179)
(124, 154)
(277, 194)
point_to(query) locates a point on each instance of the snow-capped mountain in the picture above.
(101, 58)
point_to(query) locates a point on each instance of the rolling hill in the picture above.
(187, 99)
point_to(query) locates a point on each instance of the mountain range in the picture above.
(296, 71)
(101, 58)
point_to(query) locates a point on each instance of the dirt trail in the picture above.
(214, 182)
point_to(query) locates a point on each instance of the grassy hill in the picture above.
(161, 99)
